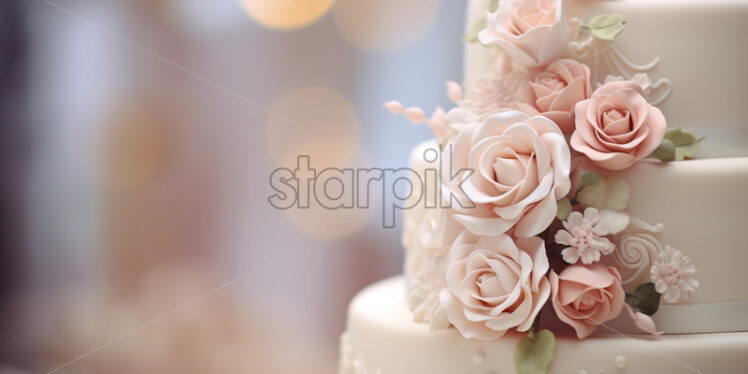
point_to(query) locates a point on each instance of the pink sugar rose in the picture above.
(616, 126)
(494, 284)
(506, 174)
(557, 89)
(533, 32)
(585, 296)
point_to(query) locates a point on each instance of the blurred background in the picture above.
(136, 146)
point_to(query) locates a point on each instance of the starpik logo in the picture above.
(353, 188)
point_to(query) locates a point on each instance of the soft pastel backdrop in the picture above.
(138, 138)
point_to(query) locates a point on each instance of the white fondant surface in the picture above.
(701, 47)
(382, 338)
(703, 205)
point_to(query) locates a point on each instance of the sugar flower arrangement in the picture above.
(538, 221)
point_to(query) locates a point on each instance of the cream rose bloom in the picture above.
(616, 126)
(507, 174)
(533, 32)
(494, 284)
(557, 89)
(584, 296)
(423, 298)
(437, 232)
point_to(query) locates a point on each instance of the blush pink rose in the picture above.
(585, 296)
(557, 90)
(494, 284)
(617, 126)
(506, 174)
(532, 32)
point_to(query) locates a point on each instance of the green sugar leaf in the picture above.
(478, 26)
(686, 143)
(665, 152)
(689, 150)
(589, 179)
(564, 208)
(606, 26)
(494, 6)
(644, 299)
(680, 137)
(535, 353)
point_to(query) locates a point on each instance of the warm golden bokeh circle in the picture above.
(287, 14)
(330, 224)
(330, 137)
(330, 133)
(321, 223)
(384, 26)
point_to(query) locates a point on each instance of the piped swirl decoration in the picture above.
(637, 247)
(606, 60)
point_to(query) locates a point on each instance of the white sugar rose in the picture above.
(423, 298)
(437, 232)
(533, 32)
(507, 174)
(428, 238)
(494, 284)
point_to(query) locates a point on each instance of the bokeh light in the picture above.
(330, 138)
(135, 147)
(144, 185)
(330, 133)
(384, 26)
(287, 14)
(329, 224)
(218, 334)
(203, 19)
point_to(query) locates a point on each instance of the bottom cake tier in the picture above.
(381, 338)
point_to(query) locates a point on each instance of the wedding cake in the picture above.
(590, 213)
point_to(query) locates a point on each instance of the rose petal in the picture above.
(643, 321)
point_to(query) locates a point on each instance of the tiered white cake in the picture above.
(457, 309)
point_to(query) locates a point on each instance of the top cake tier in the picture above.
(701, 50)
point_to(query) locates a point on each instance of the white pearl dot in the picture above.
(621, 362)
(584, 371)
(479, 357)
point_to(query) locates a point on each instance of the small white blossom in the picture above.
(672, 274)
(583, 236)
